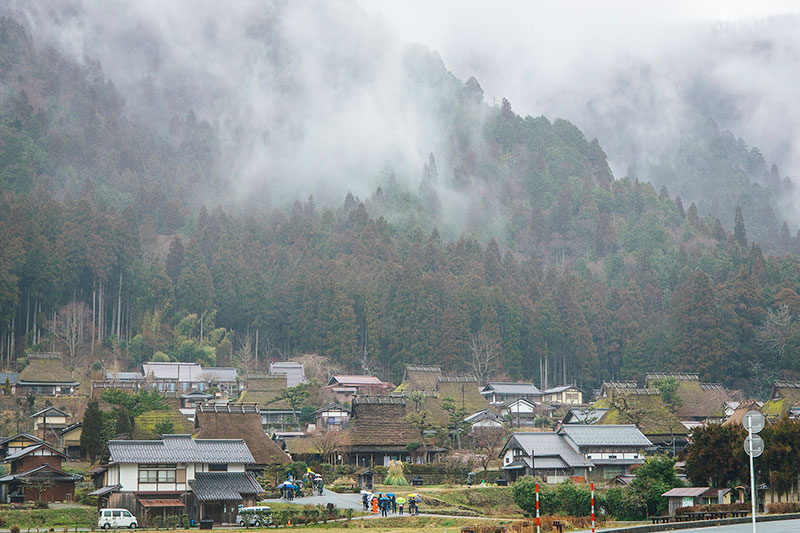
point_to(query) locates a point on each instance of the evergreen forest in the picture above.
(512, 251)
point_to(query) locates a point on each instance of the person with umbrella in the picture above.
(365, 494)
(392, 501)
(400, 501)
(383, 503)
(320, 485)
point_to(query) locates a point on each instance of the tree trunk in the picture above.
(119, 306)
(94, 316)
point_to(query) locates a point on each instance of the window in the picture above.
(106, 513)
(126, 514)
(218, 467)
(116, 514)
(157, 473)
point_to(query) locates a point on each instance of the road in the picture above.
(778, 526)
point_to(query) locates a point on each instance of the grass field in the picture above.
(491, 501)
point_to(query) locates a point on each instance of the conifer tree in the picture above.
(739, 232)
(92, 442)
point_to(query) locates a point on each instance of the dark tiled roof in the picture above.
(502, 387)
(25, 451)
(542, 444)
(180, 449)
(225, 486)
(45, 471)
(26, 436)
(611, 435)
(51, 411)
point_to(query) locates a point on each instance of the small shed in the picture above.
(684, 497)
(366, 478)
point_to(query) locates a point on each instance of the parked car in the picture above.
(116, 518)
(255, 515)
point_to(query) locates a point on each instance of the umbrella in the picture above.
(286, 484)
(415, 497)
(317, 477)
(401, 500)
(365, 491)
(390, 494)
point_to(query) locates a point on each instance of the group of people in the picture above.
(291, 489)
(386, 503)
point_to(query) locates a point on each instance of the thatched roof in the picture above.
(266, 389)
(420, 377)
(647, 412)
(464, 392)
(144, 425)
(376, 422)
(737, 418)
(45, 371)
(246, 425)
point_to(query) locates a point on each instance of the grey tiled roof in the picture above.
(611, 435)
(511, 388)
(179, 449)
(216, 486)
(541, 444)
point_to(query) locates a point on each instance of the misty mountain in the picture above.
(444, 221)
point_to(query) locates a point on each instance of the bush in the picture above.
(783, 507)
(41, 505)
(14, 528)
(713, 507)
(622, 504)
(395, 476)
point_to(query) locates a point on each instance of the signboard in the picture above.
(753, 421)
(687, 501)
(757, 445)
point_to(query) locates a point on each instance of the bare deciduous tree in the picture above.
(317, 367)
(68, 327)
(327, 443)
(487, 441)
(244, 357)
(484, 350)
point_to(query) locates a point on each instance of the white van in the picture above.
(116, 518)
(255, 515)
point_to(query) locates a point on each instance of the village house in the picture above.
(180, 378)
(333, 417)
(543, 454)
(345, 387)
(215, 421)
(379, 433)
(562, 395)
(294, 372)
(613, 449)
(48, 423)
(267, 390)
(498, 393)
(646, 410)
(701, 403)
(45, 375)
(70, 438)
(583, 415)
(11, 445)
(420, 378)
(35, 474)
(204, 478)
(519, 412)
(785, 398)
(485, 418)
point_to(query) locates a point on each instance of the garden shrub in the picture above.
(783, 507)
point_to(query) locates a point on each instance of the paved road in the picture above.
(341, 501)
(778, 526)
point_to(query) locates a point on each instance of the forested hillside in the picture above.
(526, 253)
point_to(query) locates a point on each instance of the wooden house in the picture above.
(45, 375)
(35, 474)
(203, 478)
